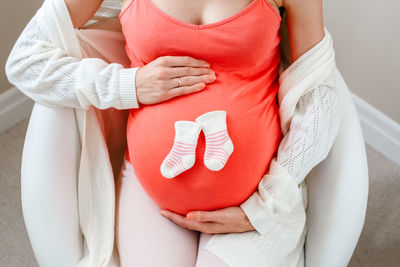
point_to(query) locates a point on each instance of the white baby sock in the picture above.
(183, 152)
(219, 145)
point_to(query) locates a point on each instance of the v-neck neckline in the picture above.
(202, 26)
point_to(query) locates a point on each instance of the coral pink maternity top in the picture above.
(243, 50)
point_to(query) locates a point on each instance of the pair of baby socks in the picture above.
(182, 155)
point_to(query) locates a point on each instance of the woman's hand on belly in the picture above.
(158, 80)
(226, 220)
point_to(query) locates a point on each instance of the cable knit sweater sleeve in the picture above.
(312, 132)
(48, 75)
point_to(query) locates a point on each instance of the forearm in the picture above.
(313, 129)
(46, 74)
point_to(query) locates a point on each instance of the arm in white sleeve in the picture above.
(46, 74)
(313, 129)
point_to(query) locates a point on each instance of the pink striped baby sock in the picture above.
(183, 152)
(219, 145)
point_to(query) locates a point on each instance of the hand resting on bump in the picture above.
(158, 81)
(226, 220)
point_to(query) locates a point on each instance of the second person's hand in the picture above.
(158, 80)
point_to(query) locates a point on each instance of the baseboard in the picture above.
(380, 131)
(14, 107)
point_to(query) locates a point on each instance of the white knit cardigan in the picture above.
(59, 66)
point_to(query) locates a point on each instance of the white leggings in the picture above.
(146, 238)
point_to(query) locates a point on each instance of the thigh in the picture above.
(143, 236)
(204, 257)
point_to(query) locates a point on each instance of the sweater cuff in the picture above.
(255, 212)
(127, 88)
(273, 204)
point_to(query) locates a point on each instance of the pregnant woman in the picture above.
(201, 62)
(243, 50)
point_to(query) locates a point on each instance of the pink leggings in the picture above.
(146, 238)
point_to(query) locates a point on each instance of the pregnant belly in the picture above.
(253, 127)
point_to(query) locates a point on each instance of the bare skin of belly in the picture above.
(194, 11)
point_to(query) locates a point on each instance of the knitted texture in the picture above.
(313, 130)
(46, 74)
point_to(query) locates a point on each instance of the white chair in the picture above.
(49, 171)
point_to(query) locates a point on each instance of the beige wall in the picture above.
(15, 14)
(366, 38)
